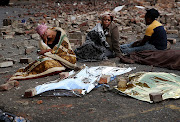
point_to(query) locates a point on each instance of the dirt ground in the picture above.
(95, 106)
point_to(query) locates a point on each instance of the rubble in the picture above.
(155, 97)
(77, 23)
(122, 82)
(29, 49)
(9, 85)
(25, 60)
(104, 79)
(6, 64)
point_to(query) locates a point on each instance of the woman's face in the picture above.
(49, 34)
(106, 21)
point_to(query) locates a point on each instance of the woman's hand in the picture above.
(43, 51)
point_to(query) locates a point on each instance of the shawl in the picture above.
(60, 58)
(94, 47)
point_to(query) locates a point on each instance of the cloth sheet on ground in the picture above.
(84, 81)
(160, 58)
(141, 84)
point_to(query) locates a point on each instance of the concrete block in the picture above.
(104, 79)
(6, 64)
(25, 60)
(156, 97)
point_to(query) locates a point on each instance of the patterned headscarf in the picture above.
(41, 29)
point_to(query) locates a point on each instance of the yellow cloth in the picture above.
(60, 58)
(151, 27)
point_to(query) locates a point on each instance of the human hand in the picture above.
(41, 52)
(135, 44)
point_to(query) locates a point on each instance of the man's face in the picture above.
(147, 20)
(106, 21)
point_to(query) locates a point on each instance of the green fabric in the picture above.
(143, 83)
(61, 40)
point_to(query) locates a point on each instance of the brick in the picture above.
(39, 102)
(8, 36)
(6, 64)
(76, 41)
(122, 82)
(25, 60)
(35, 36)
(126, 29)
(30, 92)
(29, 49)
(9, 85)
(75, 35)
(104, 79)
(156, 97)
(172, 31)
(78, 91)
(10, 59)
(20, 25)
(7, 22)
(178, 4)
(63, 75)
(1, 58)
(84, 28)
(171, 40)
(19, 32)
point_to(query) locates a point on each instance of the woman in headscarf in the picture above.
(55, 53)
(155, 36)
(102, 41)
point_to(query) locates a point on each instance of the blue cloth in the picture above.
(127, 49)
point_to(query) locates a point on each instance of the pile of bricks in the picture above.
(77, 18)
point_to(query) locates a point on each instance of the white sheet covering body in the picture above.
(86, 79)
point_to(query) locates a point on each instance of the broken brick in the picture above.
(156, 97)
(122, 82)
(104, 79)
(39, 102)
(30, 92)
(25, 60)
(9, 85)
